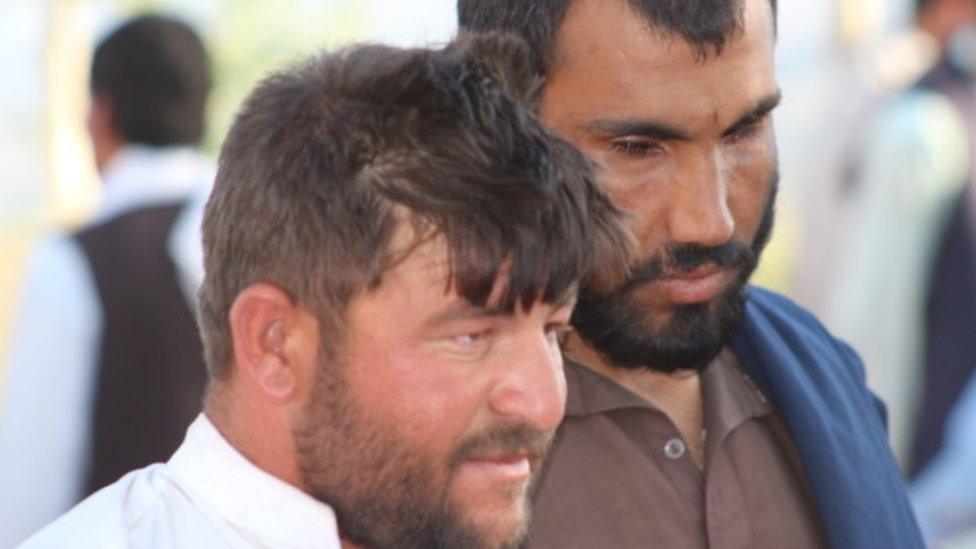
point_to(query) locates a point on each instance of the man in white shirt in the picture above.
(105, 328)
(392, 248)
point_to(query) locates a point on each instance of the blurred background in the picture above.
(869, 167)
(45, 154)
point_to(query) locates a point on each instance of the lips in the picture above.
(695, 286)
(508, 467)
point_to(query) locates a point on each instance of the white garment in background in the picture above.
(944, 493)
(206, 496)
(46, 413)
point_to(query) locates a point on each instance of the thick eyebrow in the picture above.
(659, 131)
(765, 106)
(652, 130)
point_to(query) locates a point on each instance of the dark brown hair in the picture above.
(325, 158)
(155, 74)
(706, 24)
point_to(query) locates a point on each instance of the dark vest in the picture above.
(151, 374)
(949, 358)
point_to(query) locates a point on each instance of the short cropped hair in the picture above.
(155, 74)
(327, 159)
(706, 24)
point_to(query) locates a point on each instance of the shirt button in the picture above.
(674, 448)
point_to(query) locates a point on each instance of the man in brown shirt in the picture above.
(753, 495)
(672, 100)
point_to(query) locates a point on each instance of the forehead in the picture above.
(419, 285)
(420, 272)
(610, 59)
(420, 261)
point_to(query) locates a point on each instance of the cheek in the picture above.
(639, 193)
(752, 170)
(430, 404)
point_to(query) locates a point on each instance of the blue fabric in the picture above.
(818, 384)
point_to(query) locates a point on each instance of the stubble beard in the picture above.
(385, 491)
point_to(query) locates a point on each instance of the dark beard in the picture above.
(622, 331)
(386, 492)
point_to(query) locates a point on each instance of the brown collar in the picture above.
(729, 396)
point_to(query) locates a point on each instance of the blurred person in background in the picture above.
(106, 368)
(949, 358)
(393, 246)
(904, 288)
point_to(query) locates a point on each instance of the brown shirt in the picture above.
(620, 476)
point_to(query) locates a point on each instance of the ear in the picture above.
(104, 134)
(275, 342)
(99, 114)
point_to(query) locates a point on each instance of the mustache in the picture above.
(676, 258)
(504, 440)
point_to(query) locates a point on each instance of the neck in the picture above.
(259, 433)
(652, 385)
(678, 395)
(104, 155)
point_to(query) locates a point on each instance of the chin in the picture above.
(500, 520)
(631, 332)
(670, 319)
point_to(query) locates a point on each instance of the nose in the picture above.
(532, 388)
(699, 207)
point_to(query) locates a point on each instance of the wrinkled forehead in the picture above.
(617, 24)
(610, 59)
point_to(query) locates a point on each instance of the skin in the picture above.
(418, 363)
(943, 18)
(105, 138)
(684, 144)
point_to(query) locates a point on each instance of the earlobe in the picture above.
(262, 319)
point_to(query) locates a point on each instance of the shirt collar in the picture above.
(729, 396)
(248, 497)
(590, 393)
(138, 175)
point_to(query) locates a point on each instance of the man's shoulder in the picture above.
(57, 273)
(113, 516)
(777, 306)
(776, 330)
(138, 221)
(778, 317)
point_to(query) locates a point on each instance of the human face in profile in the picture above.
(428, 426)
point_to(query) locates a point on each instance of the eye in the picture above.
(467, 345)
(471, 339)
(635, 147)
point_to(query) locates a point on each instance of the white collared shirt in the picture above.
(206, 495)
(46, 411)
